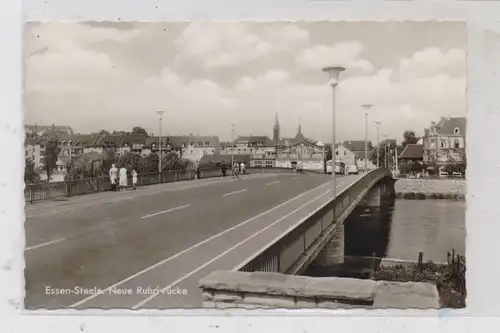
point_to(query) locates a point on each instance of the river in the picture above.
(400, 229)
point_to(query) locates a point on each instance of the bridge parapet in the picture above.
(293, 251)
(230, 289)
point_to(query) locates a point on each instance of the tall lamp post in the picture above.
(334, 73)
(378, 122)
(367, 108)
(232, 143)
(385, 155)
(160, 118)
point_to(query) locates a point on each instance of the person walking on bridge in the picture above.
(242, 168)
(134, 179)
(123, 178)
(113, 176)
(236, 170)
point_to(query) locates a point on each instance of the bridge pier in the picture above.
(334, 251)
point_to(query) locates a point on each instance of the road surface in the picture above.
(116, 250)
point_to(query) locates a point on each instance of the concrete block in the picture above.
(274, 283)
(328, 304)
(227, 296)
(252, 306)
(305, 303)
(208, 305)
(406, 295)
(207, 295)
(254, 282)
(334, 288)
(274, 301)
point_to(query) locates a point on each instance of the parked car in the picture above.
(339, 167)
(352, 170)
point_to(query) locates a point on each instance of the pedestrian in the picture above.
(198, 171)
(113, 177)
(236, 170)
(242, 168)
(134, 179)
(123, 178)
(223, 168)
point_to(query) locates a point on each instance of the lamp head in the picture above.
(160, 114)
(333, 73)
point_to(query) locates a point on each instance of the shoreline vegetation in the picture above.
(449, 278)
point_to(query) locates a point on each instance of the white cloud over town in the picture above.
(210, 75)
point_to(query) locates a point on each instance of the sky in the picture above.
(210, 75)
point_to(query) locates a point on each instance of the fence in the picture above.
(45, 191)
(294, 250)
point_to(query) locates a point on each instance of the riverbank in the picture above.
(420, 189)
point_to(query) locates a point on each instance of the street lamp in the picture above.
(160, 118)
(232, 143)
(378, 122)
(367, 108)
(334, 73)
(385, 155)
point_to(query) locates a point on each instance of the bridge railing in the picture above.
(45, 191)
(288, 253)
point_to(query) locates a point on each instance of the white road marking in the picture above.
(235, 192)
(45, 244)
(297, 177)
(82, 301)
(276, 182)
(164, 211)
(227, 251)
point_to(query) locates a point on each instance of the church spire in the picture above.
(276, 121)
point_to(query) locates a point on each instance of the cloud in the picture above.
(232, 44)
(431, 61)
(345, 54)
(71, 74)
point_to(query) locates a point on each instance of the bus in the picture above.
(339, 167)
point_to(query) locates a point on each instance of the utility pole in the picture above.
(333, 73)
(378, 122)
(160, 118)
(232, 143)
(367, 109)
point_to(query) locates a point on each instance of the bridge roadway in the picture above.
(165, 236)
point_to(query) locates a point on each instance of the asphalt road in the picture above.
(106, 250)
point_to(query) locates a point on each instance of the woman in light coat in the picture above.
(123, 178)
(113, 177)
(134, 179)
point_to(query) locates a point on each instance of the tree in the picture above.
(30, 173)
(409, 137)
(139, 130)
(50, 157)
(130, 161)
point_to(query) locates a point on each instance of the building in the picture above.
(444, 142)
(300, 150)
(34, 150)
(344, 155)
(412, 153)
(47, 130)
(71, 147)
(358, 149)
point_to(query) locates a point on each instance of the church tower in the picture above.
(276, 130)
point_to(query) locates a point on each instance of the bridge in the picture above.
(150, 248)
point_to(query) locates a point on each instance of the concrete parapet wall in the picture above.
(232, 289)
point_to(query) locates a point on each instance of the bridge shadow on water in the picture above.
(366, 233)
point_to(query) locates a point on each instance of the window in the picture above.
(443, 144)
(456, 131)
(337, 152)
(456, 144)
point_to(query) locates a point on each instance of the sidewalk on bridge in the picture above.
(143, 190)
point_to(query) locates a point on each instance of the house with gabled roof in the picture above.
(444, 142)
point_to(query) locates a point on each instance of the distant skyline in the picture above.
(207, 76)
